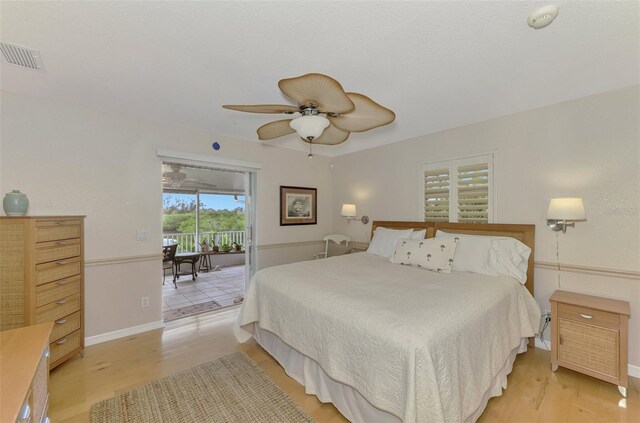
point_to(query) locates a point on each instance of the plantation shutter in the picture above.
(436, 195)
(473, 193)
(459, 190)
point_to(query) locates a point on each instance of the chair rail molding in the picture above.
(575, 268)
(121, 260)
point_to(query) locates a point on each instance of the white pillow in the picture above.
(419, 234)
(384, 241)
(433, 254)
(472, 252)
(508, 256)
(490, 255)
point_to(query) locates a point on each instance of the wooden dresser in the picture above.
(590, 335)
(24, 371)
(42, 278)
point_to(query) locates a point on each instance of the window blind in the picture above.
(436, 195)
(473, 193)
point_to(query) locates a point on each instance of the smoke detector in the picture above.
(543, 16)
(21, 56)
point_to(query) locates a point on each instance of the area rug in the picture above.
(230, 389)
(178, 313)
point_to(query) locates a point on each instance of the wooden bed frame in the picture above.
(523, 233)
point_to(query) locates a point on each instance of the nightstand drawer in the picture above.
(590, 347)
(589, 316)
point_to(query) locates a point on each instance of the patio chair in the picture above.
(338, 239)
(168, 254)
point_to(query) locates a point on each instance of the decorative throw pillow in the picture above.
(472, 252)
(432, 254)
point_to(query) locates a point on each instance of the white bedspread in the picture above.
(423, 346)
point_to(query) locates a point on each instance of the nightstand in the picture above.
(590, 335)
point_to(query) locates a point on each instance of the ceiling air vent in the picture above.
(21, 56)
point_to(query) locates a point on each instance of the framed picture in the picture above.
(298, 206)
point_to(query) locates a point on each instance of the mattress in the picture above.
(418, 345)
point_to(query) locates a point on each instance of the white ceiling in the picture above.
(438, 65)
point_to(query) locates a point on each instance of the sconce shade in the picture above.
(349, 210)
(309, 127)
(566, 209)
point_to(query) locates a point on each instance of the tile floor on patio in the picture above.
(222, 286)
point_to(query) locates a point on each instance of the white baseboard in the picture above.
(633, 371)
(121, 333)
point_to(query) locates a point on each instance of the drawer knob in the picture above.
(60, 242)
(61, 262)
(59, 222)
(61, 341)
(61, 321)
(62, 301)
(586, 316)
(62, 282)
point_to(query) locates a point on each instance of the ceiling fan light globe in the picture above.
(310, 126)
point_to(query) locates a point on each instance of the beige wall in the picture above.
(107, 168)
(588, 147)
(75, 160)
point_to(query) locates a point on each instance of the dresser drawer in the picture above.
(590, 347)
(53, 291)
(589, 316)
(58, 309)
(66, 325)
(57, 250)
(53, 230)
(48, 272)
(65, 345)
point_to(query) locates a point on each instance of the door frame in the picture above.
(250, 170)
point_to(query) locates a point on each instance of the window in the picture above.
(458, 190)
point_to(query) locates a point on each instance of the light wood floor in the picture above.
(534, 394)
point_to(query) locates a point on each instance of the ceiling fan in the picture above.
(328, 114)
(177, 179)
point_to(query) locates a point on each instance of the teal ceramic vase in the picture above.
(15, 203)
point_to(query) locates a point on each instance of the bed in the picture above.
(390, 343)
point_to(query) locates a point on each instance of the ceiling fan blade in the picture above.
(314, 88)
(275, 129)
(366, 115)
(262, 108)
(332, 136)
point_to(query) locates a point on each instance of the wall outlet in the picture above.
(144, 302)
(143, 235)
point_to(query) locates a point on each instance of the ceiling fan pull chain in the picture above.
(310, 142)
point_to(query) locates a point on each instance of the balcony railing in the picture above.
(187, 241)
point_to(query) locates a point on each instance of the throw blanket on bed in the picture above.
(421, 345)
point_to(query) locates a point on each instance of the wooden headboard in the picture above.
(523, 233)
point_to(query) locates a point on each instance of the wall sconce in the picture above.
(349, 211)
(564, 212)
